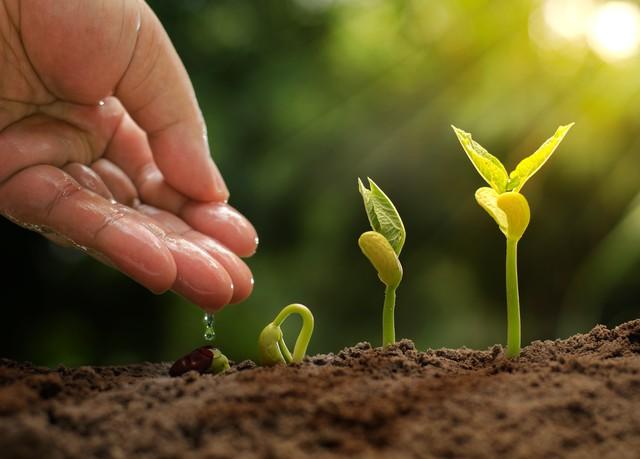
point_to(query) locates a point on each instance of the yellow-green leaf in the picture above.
(488, 200)
(531, 164)
(382, 214)
(516, 208)
(489, 167)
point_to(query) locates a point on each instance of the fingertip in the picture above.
(223, 223)
(200, 278)
(184, 160)
(242, 293)
(220, 191)
(237, 269)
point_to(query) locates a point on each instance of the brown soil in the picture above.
(575, 398)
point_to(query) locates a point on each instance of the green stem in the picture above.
(284, 350)
(300, 348)
(513, 300)
(388, 325)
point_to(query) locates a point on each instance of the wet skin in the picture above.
(103, 146)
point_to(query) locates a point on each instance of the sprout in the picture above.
(382, 247)
(509, 209)
(273, 349)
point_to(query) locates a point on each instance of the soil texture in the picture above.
(573, 398)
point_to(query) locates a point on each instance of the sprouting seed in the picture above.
(271, 344)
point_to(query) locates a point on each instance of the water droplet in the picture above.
(209, 327)
(209, 335)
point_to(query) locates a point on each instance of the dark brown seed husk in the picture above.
(198, 360)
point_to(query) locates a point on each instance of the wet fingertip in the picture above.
(241, 294)
(200, 277)
(251, 251)
(220, 187)
(238, 271)
(157, 291)
(215, 301)
(223, 223)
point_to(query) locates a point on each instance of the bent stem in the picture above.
(300, 348)
(388, 324)
(513, 300)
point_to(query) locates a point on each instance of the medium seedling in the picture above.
(503, 201)
(382, 247)
(273, 349)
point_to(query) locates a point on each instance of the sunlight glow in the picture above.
(567, 19)
(614, 31)
(611, 28)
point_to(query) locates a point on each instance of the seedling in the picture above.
(273, 349)
(504, 203)
(382, 247)
(205, 359)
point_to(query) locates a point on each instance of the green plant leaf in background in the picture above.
(489, 167)
(382, 215)
(488, 200)
(531, 164)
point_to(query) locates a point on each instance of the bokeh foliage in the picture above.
(301, 97)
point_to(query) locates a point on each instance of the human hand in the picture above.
(103, 146)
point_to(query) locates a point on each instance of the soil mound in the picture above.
(573, 398)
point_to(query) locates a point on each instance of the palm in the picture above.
(102, 145)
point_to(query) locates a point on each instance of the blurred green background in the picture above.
(301, 97)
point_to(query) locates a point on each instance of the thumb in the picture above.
(156, 91)
(84, 51)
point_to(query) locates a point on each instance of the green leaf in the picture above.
(488, 200)
(532, 164)
(382, 215)
(489, 167)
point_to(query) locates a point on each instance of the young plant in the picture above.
(504, 203)
(205, 359)
(273, 349)
(382, 247)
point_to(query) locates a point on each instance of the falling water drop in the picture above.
(209, 324)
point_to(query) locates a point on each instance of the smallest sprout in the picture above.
(205, 359)
(273, 349)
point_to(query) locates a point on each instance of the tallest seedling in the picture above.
(509, 209)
